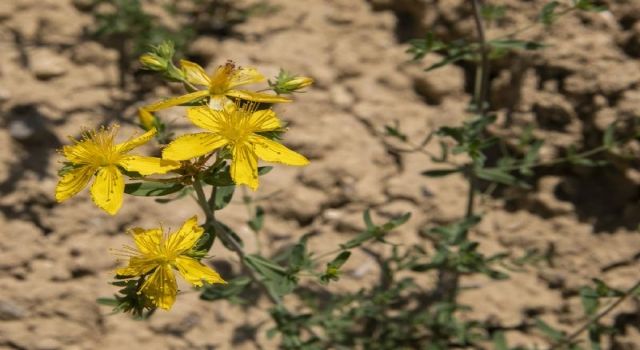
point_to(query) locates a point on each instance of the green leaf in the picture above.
(455, 233)
(222, 177)
(594, 337)
(256, 222)
(589, 298)
(549, 331)
(588, 5)
(221, 226)
(229, 291)
(108, 301)
(500, 341)
(608, 139)
(440, 172)
(149, 189)
(492, 12)
(332, 272)
(530, 158)
(447, 60)
(366, 216)
(298, 257)
(514, 44)
(395, 132)
(547, 15)
(395, 222)
(224, 194)
(339, 260)
(204, 243)
(264, 170)
(375, 232)
(496, 175)
(421, 47)
(276, 278)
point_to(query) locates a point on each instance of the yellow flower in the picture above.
(157, 255)
(237, 129)
(221, 85)
(97, 154)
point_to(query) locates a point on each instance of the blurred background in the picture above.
(67, 64)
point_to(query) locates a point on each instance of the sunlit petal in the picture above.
(138, 266)
(264, 120)
(244, 76)
(193, 145)
(196, 272)
(244, 167)
(175, 101)
(185, 238)
(136, 141)
(194, 73)
(205, 118)
(147, 241)
(78, 153)
(272, 151)
(161, 287)
(73, 182)
(257, 96)
(148, 165)
(108, 189)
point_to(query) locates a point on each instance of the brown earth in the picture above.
(54, 79)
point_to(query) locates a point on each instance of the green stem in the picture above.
(534, 24)
(556, 161)
(229, 241)
(483, 69)
(573, 335)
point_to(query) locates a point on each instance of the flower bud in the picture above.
(153, 62)
(297, 83)
(165, 50)
(147, 120)
(287, 83)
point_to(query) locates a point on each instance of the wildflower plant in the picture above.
(238, 128)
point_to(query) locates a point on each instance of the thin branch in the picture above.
(573, 335)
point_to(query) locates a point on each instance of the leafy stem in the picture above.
(569, 339)
(229, 241)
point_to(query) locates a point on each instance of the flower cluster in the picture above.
(238, 128)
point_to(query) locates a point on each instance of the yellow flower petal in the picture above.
(244, 167)
(195, 272)
(161, 287)
(256, 96)
(147, 241)
(244, 76)
(205, 118)
(272, 151)
(136, 141)
(146, 119)
(138, 266)
(192, 145)
(264, 120)
(73, 182)
(108, 189)
(185, 238)
(194, 73)
(77, 152)
(175, 101)
(148, 165)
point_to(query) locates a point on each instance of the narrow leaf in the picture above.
(149, 189)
